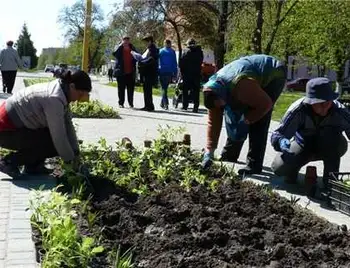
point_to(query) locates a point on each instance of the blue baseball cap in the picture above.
(319, 90)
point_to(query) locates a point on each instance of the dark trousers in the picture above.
(126, 81)
(257, 133)
(165, 80)
(148, 84)
(31, 147)
(191, 85)
(329, 146)
(8, 80)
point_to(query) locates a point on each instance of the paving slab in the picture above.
(16, 248)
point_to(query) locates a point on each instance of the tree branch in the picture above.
(288, 11)
(209, 7)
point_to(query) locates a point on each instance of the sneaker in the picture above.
(121, 106)
(9, 169)
(37, 170)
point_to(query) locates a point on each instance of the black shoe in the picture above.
(147, 109)
(9, 169)
(37, 170)
(195, 110)
(225, 158)
(247, 170)
(131, 106)
(183, 109)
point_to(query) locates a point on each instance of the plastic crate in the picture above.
(339, 194)
(345, 102)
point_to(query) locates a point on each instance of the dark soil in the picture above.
(238, 226)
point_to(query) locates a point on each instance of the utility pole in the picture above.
(86, 41)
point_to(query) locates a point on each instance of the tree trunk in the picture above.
(340, 75)
(256, 41)
(178, 36)
(220, 48)
(98, 46)
(275, 28)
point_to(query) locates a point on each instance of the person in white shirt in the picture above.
(9, 64)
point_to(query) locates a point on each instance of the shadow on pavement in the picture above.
(277, 183)
(33, 182)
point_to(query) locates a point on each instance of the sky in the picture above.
(41, 19)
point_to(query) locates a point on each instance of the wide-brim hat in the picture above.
(319, 90)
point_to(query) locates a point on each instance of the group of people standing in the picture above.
(157, 65)
(10, 62)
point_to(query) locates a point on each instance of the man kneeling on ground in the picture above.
(311, 130)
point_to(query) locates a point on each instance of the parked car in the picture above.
(49, 68)
(298, 84)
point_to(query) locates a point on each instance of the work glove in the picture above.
(207, 160)
(285, 146)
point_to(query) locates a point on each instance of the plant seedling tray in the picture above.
(339, 193)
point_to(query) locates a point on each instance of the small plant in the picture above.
(33, 81)
(54, 215)
(294, 200)
(92, 109)
(122, 260)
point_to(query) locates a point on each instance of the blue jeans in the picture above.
(165, 81)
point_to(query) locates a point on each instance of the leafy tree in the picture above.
(25, 46)
(43, 60)
(72, 18)
(259, 28)
(221, 11)
(324, 33)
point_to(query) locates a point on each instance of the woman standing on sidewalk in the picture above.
(36, 123)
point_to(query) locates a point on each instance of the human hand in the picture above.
(285, 145)
(207, 160)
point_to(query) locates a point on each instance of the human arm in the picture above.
(291, 122)
(18, 60)
(71, 133)
(214, 128)
(249, 92)
(345, 114)
(174, 64)
(55, 116)
(1, 58)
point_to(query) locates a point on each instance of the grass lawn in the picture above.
(283, 102)
(281, 106)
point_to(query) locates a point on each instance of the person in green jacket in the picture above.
(244, 92)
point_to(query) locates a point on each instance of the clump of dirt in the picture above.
(239, 225)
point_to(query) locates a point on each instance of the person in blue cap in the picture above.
(311, 130)
(243, 93)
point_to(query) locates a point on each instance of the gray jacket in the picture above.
(9, 60)
(300, 123)
(45, 105)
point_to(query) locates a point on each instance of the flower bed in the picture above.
(159, 207)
